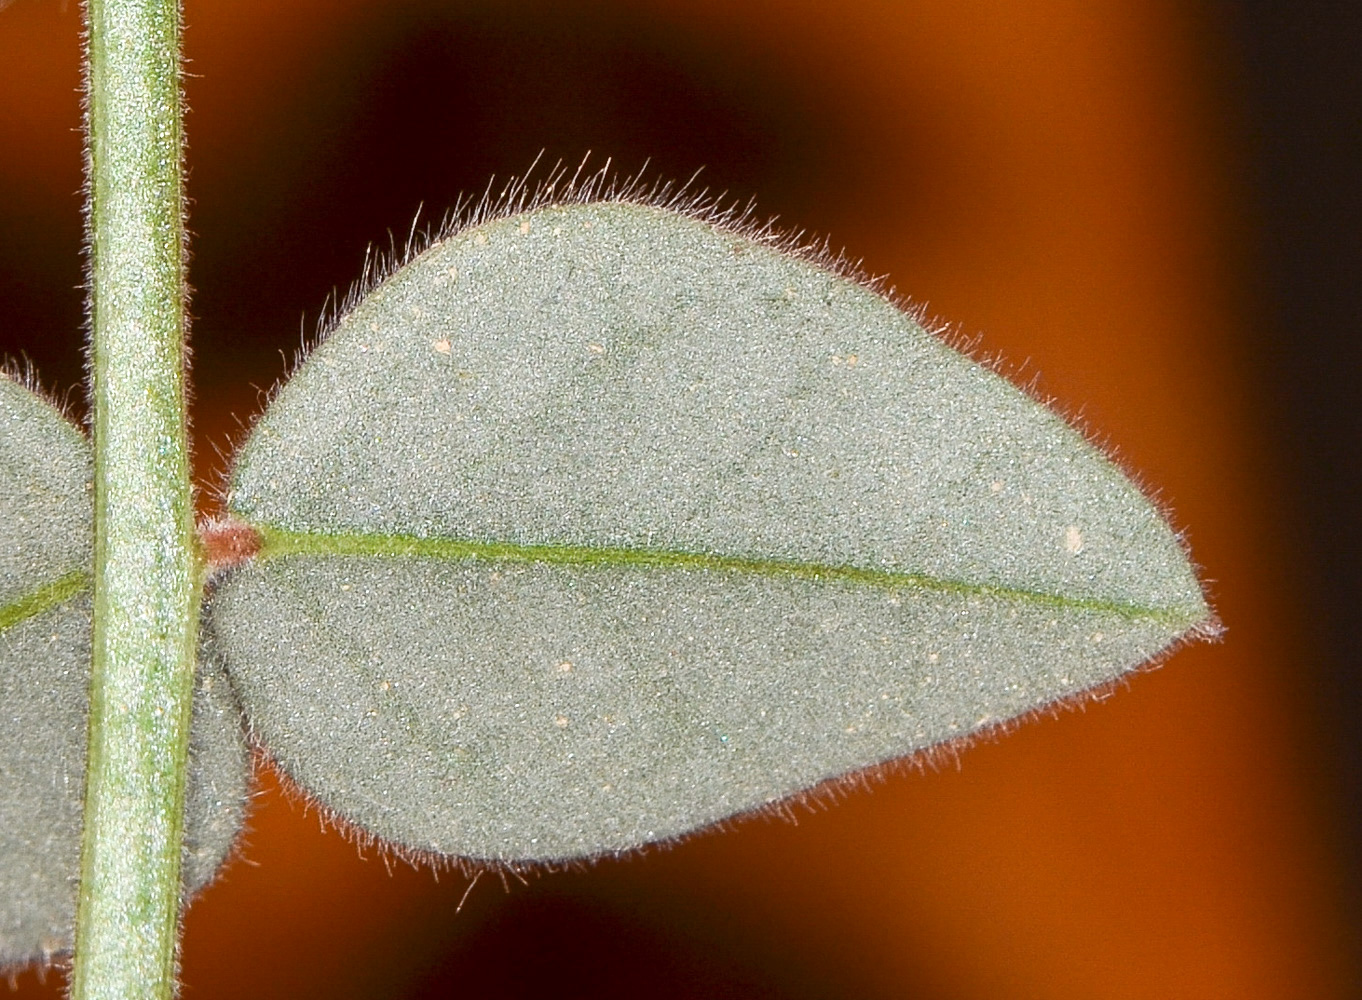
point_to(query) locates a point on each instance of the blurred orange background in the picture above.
(1064, 179)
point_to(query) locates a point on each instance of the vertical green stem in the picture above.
(146, 574)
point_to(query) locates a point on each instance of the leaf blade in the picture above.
(722, 472)
(46, 494)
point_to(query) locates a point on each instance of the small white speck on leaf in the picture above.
(1073, 540)
(442, 346)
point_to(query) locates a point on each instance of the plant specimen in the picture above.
(606, 516)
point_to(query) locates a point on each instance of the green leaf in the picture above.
(45, 627)
(599, 523)
(45, 504)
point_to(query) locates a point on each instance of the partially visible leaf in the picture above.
(599, 523)
(46, 501)
(45, 627)
(44, 687)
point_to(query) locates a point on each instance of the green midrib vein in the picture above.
(279, 542)
(35, 602)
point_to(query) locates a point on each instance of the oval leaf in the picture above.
(599, 523)
(46, 512)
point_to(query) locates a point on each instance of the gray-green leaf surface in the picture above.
(45, 626)
(599, 523)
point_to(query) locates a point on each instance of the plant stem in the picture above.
(147, 579)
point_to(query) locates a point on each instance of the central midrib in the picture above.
(278, 542)
(35, 602)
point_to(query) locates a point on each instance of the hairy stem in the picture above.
(146, 574)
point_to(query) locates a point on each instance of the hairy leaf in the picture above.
(45, 627)
(45, 503)
(599, 523)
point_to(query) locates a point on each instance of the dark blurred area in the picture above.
(1294, 96)
(1155, 205)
